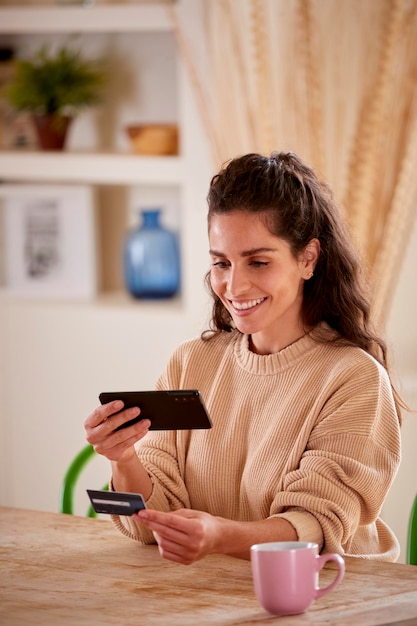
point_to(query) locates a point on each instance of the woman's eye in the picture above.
(259, 263)
(220, 264)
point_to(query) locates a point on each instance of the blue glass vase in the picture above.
(151, 259)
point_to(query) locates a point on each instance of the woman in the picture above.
(306, 437)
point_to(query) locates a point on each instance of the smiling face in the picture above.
(258, 279)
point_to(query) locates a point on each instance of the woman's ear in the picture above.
(310, 256)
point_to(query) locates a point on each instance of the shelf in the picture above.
(150, 310)
(162, 307)
(95, 19)
(111, 169)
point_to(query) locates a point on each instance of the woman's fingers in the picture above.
(102, 424)
(115, 443)
(113, 421)
(101, 413)
(166, 524)
(173, 551)
(183, 536)
(105, 419)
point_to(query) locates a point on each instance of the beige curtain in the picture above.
(334, 81)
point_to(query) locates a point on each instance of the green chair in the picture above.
(411, 558)
(66, 502)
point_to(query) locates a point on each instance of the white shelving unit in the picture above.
(62, 354)
(94, 168)
(118, 168)
(98, 169)
(94, 19)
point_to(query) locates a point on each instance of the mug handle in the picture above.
(321, 561)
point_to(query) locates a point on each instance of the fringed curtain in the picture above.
(334, 81)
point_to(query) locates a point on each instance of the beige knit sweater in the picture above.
(310, 434)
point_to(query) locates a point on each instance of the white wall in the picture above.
(58, 359)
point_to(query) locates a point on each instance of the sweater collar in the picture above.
(264, 364)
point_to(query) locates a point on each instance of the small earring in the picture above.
(311, 274)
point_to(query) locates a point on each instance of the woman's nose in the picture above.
(238, 281)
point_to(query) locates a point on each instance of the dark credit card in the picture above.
(116, 502)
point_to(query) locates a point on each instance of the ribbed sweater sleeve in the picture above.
(309, 434)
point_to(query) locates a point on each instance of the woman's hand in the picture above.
(100, 429)
(183, 536)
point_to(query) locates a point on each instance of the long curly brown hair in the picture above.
(298, 207)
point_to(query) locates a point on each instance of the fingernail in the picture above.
(118, 404)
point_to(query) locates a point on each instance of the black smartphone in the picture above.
(116, 502)
(180, 409)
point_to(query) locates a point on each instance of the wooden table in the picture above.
(61, 569)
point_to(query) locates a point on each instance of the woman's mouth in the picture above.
(246, 306)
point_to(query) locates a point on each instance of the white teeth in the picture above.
(242, 306)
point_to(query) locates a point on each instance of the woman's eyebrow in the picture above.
(245, 253)
(256, 251)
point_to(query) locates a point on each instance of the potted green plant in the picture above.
(53, 87)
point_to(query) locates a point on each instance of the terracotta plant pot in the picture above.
(52, 131)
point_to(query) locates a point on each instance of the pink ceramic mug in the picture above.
(286, 575)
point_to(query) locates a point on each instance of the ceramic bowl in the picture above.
(155, 139)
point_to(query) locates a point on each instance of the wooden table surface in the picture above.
(60, 569)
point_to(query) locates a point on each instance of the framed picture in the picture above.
(49, 240)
